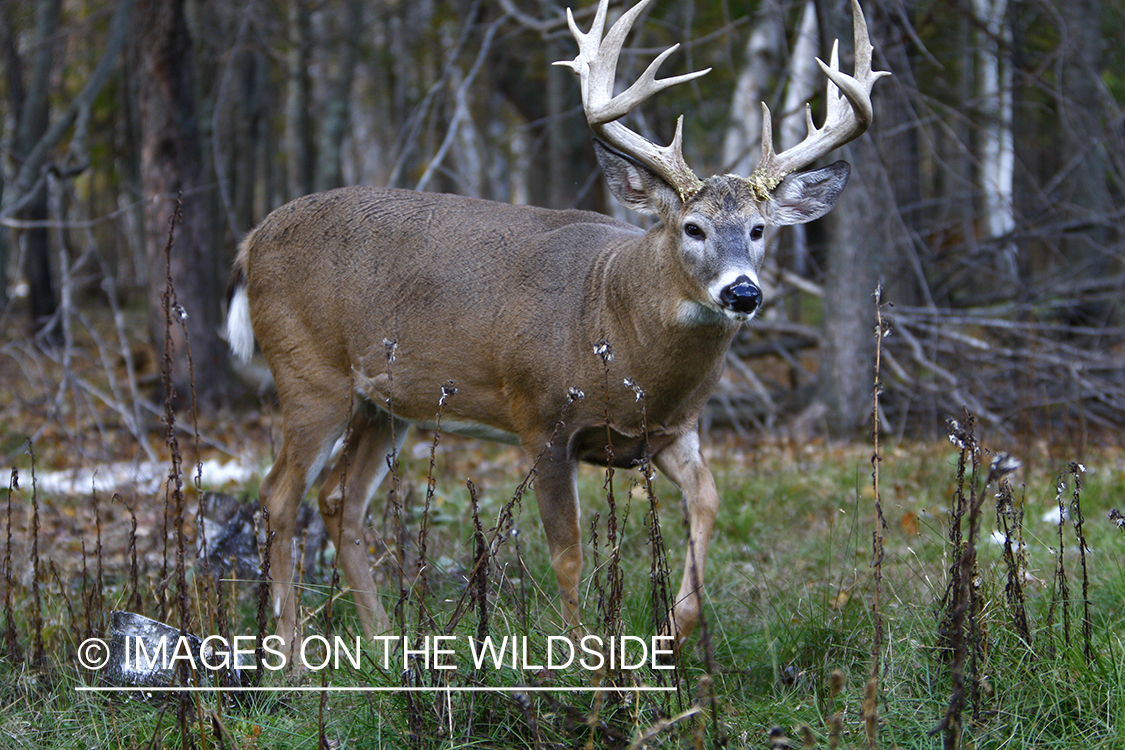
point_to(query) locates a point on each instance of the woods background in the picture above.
(987, 197)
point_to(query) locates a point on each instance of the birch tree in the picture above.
(997, 159)
(804, 78)
(743, 139)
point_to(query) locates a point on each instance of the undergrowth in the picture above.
(788, 605)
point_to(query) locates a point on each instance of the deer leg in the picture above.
(374, 437)
(683, 464)
(556, 492)
(309, 434)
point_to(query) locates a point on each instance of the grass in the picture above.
(789, 600)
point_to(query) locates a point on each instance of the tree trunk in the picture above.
(171, 165)
(33, 120)
(37, 269)
(338, 100)
(855, 253)
(997, 165)
(559, 190)
(897, 125)
(848, 355)
(743, 139)
(13, 78)
(298, 119)
(5, 243)
(1086, 197)
(804, 77)
(253, 88)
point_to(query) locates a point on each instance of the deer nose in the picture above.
(742, 296)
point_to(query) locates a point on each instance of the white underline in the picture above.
(373, 689)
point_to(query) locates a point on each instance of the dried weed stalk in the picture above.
(870, 707)
(1076, 471)
(37, 652)
(1061, 594)
(958, 631)
(12, 648)
(1009, 519)
(175, 485)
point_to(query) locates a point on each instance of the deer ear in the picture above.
(635, 185)
(804, 196)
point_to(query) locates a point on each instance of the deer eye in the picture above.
(757, 232)
(694, 231)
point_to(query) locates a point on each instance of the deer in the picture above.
(372, 305)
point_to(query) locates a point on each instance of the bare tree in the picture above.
(37, 134)
(1010, 142)
(856, 250)
(33, 117)
(997, 162)
(171, 170)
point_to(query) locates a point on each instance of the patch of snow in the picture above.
(144, 476)
(998, 539)
(1055, 515)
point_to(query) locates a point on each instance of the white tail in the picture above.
(240, 332)
(369, 303)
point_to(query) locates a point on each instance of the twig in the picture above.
(460, 110)
(870, 705)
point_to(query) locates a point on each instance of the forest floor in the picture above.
(971, 617)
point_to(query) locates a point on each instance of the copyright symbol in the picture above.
(93, 654)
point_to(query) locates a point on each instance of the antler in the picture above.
(596, 66)
(849, 114)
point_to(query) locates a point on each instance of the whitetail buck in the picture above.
(514, 305)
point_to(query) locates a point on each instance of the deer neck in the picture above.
(662, 339)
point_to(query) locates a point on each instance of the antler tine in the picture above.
(596, 66)
(849, 113)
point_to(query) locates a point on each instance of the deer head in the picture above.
(720, 221)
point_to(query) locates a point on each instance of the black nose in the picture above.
(742, 296)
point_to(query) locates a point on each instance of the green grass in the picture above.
(789, 599)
